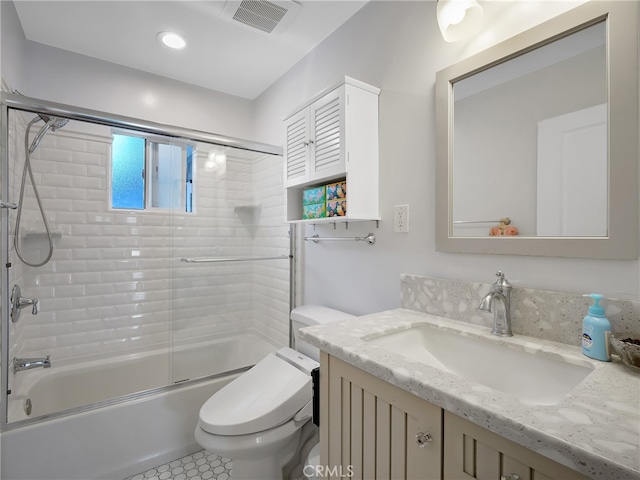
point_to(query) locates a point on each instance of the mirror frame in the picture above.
(622, 145)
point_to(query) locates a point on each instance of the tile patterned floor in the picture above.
(202, 465)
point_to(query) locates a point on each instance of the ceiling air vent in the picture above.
(261, 15)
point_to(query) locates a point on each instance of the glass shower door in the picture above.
(119, 313)
(230, 284)
(103, 313)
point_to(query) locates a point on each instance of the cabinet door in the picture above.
(472, 452)
(369, 428)
(296, 148)
(326, 120)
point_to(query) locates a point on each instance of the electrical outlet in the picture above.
(401, 218)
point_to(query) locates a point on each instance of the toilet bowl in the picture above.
(262, 418)
(258, 455)
(311, 465)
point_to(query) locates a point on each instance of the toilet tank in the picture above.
(307, 315)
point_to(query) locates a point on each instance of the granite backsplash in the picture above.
(549, 315)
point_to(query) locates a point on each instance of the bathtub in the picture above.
(125, 436)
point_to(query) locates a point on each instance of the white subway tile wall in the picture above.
(115, 282)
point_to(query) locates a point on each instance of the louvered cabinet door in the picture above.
(373, 430)
(297, 148)
(326, 120)
(472, 452)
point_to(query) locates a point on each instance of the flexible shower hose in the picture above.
(16, 236)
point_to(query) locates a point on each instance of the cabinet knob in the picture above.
(424, 439)
(513, 476)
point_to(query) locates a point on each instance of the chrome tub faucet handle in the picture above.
(18, 302)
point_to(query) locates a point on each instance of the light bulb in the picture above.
(172, 40)
(458, 19)
(455, 14)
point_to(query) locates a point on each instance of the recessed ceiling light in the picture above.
(172, 40)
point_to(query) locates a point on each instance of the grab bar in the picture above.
(370, 239)
(232, 259)
(505, 220)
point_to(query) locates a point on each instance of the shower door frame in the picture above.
(53, 109)
(4, 275)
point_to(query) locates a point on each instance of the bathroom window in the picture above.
(149, 173)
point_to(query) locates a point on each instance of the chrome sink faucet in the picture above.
(501, 291)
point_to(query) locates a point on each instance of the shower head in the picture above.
(52, 123)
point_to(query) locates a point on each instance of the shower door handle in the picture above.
(12, 206)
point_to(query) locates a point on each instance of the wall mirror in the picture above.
(537, 140)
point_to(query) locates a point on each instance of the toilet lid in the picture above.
(264, 397)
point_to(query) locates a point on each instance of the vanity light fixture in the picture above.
(172, 40)
(458, 19)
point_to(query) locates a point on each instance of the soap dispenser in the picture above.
(596, 330)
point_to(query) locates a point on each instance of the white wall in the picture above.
(65, 77)
(61, 76)
(12, 47)
(397, 46)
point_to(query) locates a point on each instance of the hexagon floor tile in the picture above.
(202, 465)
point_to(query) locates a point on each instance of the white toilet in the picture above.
(262, 418)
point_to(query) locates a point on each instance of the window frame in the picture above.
(151, 139)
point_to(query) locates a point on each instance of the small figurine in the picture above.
(505, 229)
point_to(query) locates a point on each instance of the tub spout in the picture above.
(20, 364)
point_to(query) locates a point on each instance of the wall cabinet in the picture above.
(334, 137)
(314, 147)
(372, 429)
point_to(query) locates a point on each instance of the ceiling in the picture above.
(222, 55)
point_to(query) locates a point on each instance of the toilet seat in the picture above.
(264, 397)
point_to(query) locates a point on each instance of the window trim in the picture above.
(151, 138)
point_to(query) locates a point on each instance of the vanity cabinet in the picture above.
(372, 429)
(334, 137)
(472, 452)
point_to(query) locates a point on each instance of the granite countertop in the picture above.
(595, 429)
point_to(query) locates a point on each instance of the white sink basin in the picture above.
(534, 378)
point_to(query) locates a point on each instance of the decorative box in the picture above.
(315, 210)
(336, 208)
(337, 191)
(313, 195)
